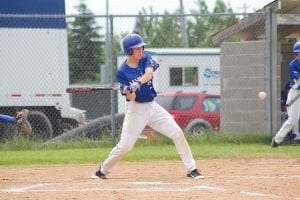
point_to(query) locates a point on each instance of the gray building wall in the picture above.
(242, 77)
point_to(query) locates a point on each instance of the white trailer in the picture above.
(34, 71)
(183, 69)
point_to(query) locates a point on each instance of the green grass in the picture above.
(21, 151)
(22, 143)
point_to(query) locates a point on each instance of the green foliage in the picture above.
(197, 27)
(164, 32)
(84, 44)
(19, 143)
(158, 32)
(217, 138)
(22, 143)
(217, 23)
(144, 153)
(167, 33)
(21, 151)
(145, 26)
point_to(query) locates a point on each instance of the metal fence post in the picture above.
(268, 71)
(111, 67)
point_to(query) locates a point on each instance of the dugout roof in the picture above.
(252, 27)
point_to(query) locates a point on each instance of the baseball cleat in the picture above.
(195, 174)
(274, 144)
(98, 175)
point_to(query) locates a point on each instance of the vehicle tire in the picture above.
(198, 127)
(41, 125)
(7, 131)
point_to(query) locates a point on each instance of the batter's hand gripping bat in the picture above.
(90, 89)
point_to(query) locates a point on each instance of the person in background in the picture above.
(284, 95)
(20, 121)
(293, 109)
(284, 115)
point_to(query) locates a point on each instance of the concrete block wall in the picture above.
(242, 77)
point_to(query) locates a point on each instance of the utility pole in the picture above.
(105, 68)
(183, 27)
(245, 7)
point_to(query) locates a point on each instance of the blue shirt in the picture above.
(127, 75)
(283, 98)
(294, 68)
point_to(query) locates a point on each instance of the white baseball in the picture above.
(262, 95)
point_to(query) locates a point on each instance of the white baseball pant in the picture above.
(293, 117)
(137, 116)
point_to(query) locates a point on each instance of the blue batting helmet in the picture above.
(132, 41)
(296, 47)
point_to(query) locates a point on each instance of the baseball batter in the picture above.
(135, 77)
(294, 109)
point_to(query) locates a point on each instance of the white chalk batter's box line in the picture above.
(258, 177)
(150, 187)
(147, 189)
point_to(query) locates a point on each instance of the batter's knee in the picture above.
(177, 134)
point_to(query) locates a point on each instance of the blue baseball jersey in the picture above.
(126, 75)
(294, 68)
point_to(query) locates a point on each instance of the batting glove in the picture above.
(134, 86)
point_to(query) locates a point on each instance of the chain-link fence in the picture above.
(211, 68)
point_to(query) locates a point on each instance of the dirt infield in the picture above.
(259, 178)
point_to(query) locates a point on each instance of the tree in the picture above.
(201, 28)
(217, 23)
(84, 43)
(145, 25)
(197, 26)
(165, 31)
(159, 32)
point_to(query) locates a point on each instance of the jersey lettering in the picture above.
(127, 75)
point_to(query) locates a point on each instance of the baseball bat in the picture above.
(292, 101)
(89, 89)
